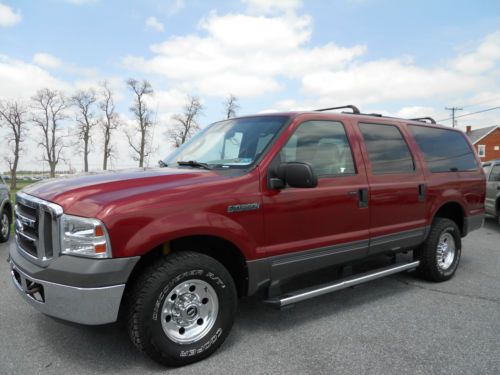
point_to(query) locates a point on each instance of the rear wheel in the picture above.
(182, 308)
(4, 226)
(440, 253)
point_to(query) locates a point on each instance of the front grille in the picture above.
(37, 228)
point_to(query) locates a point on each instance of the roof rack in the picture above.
(428, 120)
(355, 109)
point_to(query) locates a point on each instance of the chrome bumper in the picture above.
(90, 306)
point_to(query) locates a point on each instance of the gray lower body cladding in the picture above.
(264, 272)
(472, 222)
(80, 290)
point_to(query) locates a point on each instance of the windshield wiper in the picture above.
(195, 164)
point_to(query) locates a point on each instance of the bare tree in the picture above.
(85, 100)
(109, 121)
(231, 106)
(49, 107)
(143, 116)
(185, 124)
(13, 115)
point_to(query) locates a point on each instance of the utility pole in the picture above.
(453, 110)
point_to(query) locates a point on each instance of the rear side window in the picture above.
(387, 149)
(444, 150)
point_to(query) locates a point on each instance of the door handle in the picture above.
(363, 197)
(421, 192)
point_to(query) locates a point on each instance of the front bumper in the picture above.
(83, 303)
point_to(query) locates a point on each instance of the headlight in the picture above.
(84, 237)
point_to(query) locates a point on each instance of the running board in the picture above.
(307, 293)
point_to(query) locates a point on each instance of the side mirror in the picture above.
(294, 174)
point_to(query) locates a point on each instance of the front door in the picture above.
(307, 229)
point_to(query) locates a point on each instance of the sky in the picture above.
(403, 58)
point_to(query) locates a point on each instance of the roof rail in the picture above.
(355, 109)
(428, 120)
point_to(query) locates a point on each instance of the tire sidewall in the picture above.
(187, 353)
(448, 273)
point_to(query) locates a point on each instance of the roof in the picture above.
(372, 116)
(479, 134)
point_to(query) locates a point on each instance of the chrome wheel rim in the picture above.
(189, 312)
(446, 250)
(5, 225)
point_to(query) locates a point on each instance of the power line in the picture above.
(470, 114)
(453, 110)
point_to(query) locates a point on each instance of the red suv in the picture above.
(247, 205)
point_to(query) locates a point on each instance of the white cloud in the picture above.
(397, 79)
(385, 80)
(8, 17)
(46, 60)
(176, 6)
(153, 24)
(272, 7)
(20, 79)
(242, 54)
(484, 58)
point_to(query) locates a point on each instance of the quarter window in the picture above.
(444, 150)
(387, 149)
(324, 145)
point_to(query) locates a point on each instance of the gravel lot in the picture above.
(390, 326)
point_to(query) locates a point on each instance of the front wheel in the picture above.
(181, 308)
(440, 254)
(4, 226)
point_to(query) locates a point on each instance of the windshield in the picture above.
(234, 143)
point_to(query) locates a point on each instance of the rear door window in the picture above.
(444, 150)
(387, 149)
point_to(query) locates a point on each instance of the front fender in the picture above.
(160, 231)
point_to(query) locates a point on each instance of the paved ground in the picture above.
(389, 326)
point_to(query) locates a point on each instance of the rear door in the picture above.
(397, 187)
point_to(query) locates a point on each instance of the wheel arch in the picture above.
(8, 206)
(454, 211)
(221, 249)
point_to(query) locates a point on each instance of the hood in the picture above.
(105, 188)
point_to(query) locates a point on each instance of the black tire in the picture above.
(147, 297)
(5, 217)
(429, 268)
